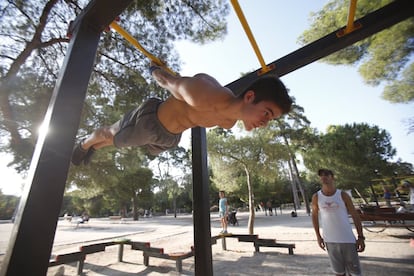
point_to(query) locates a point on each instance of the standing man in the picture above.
(223, 211)
(330, 207)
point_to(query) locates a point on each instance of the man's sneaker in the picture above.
(88, 156)
(224, 232)
(78, 154)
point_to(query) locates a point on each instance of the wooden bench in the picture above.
(145, 247)
(257, 242)
(78, 257)
(383, 214)
(178, 257)
(272, 243)
(116, 218)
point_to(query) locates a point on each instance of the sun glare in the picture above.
(43, 129)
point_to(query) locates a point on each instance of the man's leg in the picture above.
(336, 258)
(225, 222)
(352, 262)
(102, 137)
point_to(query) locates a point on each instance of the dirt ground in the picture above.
(387, 253)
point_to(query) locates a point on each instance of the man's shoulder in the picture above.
(315, 195)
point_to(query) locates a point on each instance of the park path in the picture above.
(387, 253)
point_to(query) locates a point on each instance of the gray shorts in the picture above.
(140, 127)
(344, 258)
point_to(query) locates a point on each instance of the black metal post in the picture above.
(33, 233)
(201, 204)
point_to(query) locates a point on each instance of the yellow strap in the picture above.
(249, 34)
(134, 42)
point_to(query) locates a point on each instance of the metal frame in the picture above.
(372, 23)
(33, 233)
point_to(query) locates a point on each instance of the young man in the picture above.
(330, 207)
(195, 101)
(223, 211)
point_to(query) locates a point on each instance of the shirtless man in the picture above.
(195, 101)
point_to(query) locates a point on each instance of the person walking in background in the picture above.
(387, 197)
(223, 211)
(330, 208)
(269, 207)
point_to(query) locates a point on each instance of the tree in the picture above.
(293, 130)
(256, 155)
(134, 185)
(383, 58)
(353, 152)
(8, 206)
(173, 168)
(34, 42)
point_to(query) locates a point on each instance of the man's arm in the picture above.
(200, 90)
(357, 221)
(227, 207)
(315, 220)
(166, 80)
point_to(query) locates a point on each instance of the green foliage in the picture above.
(34, 43)
(385, 57)
(401, 91)
(353, 152)
(132, 184)
(8, 206)
(259, 155)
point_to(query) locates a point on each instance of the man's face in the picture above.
(326, 178)
(259, 114)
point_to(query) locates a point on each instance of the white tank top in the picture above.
(333, 217)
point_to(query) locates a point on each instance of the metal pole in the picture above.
(201, 204)
(33, 233)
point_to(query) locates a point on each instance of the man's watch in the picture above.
(361, 238)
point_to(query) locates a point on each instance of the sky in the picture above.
(330, 95)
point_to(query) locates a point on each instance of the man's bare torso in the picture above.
(177, 116)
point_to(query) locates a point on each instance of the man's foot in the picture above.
(80, 154)
(88, 156)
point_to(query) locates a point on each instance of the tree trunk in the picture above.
(363, 198)
(296, 201)
(135, 208)
(301, 189)
(175, 206)
(295, 176)
(250, 224)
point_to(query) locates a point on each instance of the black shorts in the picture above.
(140, 127)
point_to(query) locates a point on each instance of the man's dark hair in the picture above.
(325, 172)
(271, 88)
